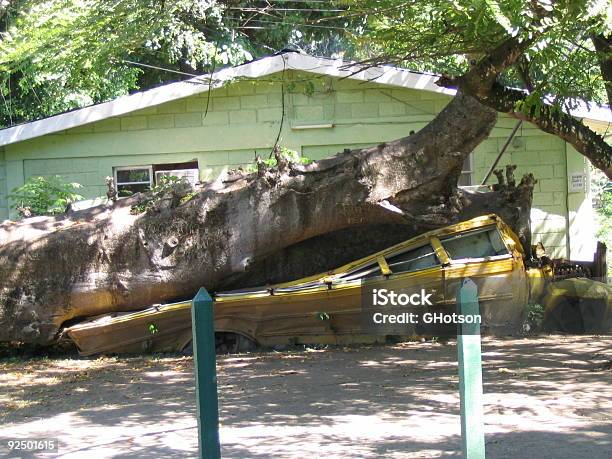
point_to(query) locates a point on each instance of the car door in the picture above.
(485, 256)
(346, 297)
(415, 270)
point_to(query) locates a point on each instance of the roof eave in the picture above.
(385, 75)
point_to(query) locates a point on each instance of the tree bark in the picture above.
(328, 251)
(603, 47)
(481, 83)
(55, 270)
(553, 121)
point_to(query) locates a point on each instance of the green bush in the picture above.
(291, 156)
(604, 210)
(44, 196)
(601, 189)
(534, 315)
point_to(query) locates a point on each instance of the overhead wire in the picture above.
(391, 96)
(300, 24)
(155, 67)
(280, 128)
(301, 10)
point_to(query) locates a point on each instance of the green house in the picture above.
(199, 128)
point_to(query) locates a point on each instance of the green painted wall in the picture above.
(3, 191)
(226, 128)
(581, 215)
(543, 155)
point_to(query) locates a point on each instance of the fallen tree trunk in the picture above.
(328, 251)
(54, 270)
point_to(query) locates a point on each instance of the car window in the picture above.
(475, 244)
(413, 260)
(300, 287)
(365, 272)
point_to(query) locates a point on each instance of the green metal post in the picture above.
(204, 357)
(470, 374)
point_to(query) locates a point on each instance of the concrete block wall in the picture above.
(84, 171)
(544, 156)
(228, 126)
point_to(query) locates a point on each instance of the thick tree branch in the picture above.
(481, 83)
(548, 118)
(603, 46)
(523, 69)
(481, 77)
(105, 259)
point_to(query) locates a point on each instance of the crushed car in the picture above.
(327, 308)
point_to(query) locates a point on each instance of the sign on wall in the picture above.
(577, 182)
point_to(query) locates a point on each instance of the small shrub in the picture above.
(165, 184)
(601, 189)
(534, 315)
(291, 156)
(44, 196)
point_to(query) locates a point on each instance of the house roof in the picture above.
(385, 75)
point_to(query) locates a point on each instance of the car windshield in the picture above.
(475, 244)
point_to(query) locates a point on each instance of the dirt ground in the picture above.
(545, 397)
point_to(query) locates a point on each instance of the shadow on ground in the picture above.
(544, 397)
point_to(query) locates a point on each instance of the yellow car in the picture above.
(330, 308)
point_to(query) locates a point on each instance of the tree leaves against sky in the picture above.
(445, 36)
(58, 55)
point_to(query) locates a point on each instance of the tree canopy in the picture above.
(57, 55)
(535, 60)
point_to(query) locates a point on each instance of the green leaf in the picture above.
(45, 195)
(323, 316)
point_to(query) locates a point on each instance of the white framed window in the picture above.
(467, 171)
(190, 175)
(130, 180)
